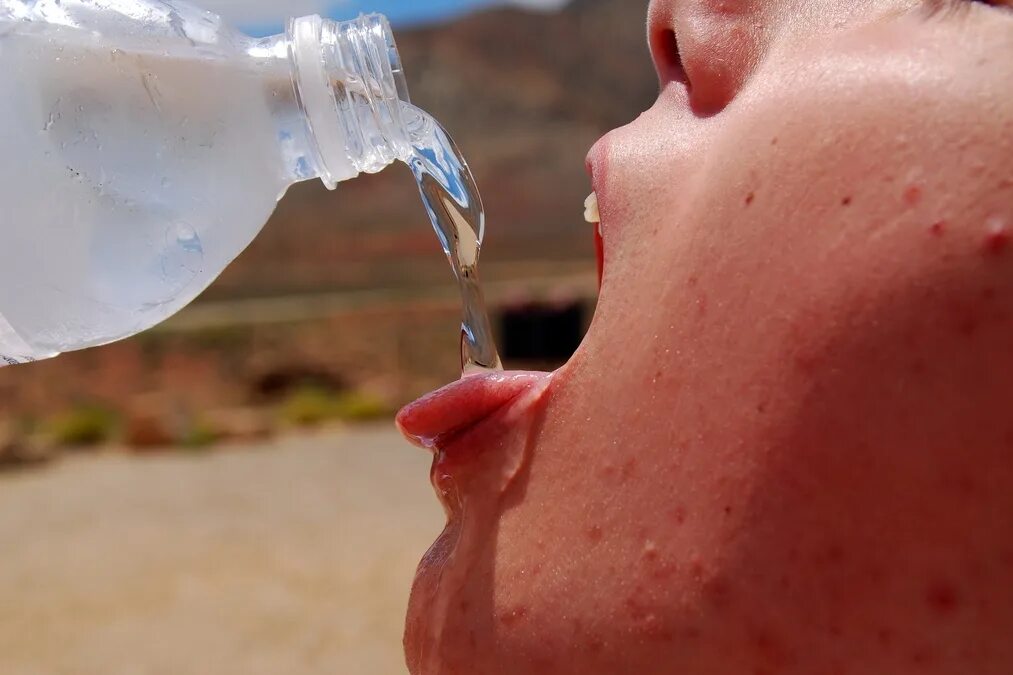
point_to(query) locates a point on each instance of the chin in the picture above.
(420, 643)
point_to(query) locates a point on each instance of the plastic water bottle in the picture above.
(144, 143)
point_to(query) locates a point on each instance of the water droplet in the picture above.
(183, 257)
(187, 238)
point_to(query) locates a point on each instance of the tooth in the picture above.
(591, 213)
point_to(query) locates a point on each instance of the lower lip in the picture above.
(444, 414)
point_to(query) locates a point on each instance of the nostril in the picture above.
(667, 57)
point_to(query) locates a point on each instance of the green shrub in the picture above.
(199, 436)
(308, 407)
(84, 426)
(362, 407)
(312, 406)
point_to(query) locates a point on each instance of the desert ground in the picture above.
(291, 557)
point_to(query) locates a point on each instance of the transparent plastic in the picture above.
(144, 144)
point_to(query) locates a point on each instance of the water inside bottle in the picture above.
(454, 205)
(130, 188)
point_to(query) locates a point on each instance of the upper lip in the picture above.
(437, 417)
(594, 163)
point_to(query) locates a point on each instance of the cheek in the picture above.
(863, 154)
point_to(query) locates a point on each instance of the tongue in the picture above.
(461, 405)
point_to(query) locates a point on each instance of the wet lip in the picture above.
(450, 411)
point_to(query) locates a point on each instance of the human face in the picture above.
(785, 445)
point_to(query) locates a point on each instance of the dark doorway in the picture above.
(542, 334)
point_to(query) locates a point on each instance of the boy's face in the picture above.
(763, 458)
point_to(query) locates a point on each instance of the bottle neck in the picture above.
(350, 86)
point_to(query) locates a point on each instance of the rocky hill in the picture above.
(525, 95)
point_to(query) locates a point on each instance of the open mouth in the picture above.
(440, 419)
(437, 418)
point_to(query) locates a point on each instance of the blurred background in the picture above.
(226, 493)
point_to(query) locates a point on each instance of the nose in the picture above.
(664, 44)
(711, 47)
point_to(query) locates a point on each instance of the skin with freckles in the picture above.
(786, 445)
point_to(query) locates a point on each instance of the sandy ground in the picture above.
(293, 558)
